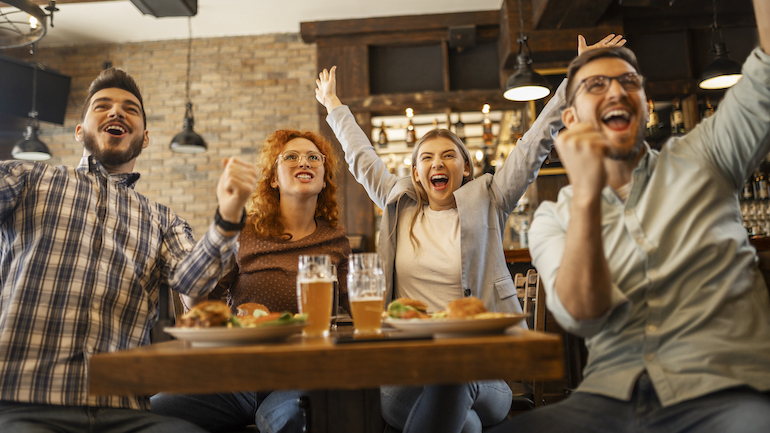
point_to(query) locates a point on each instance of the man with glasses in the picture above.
(645, 255)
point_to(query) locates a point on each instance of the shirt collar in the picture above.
(90, 163)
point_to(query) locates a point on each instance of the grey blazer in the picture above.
(483, 204)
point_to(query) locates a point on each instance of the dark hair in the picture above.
(621, 53)
(113, 78)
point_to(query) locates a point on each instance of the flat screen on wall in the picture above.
(53, 91)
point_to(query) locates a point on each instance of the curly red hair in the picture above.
(264, 207)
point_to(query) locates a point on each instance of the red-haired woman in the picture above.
(292, 212)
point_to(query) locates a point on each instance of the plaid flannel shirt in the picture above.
(82, 256)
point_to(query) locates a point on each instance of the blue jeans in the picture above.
(41, 418)
(272, 412)
(735, 410)
(453, 408)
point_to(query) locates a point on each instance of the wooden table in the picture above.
(319, 364)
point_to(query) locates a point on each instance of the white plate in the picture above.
(224, 336)
(455, 327)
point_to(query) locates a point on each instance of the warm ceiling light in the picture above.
(31, 148)
(188, 141)
(722, 72)
(525, 84)
(13, 35)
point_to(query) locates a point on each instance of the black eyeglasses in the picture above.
(600, 84)
(292, 158)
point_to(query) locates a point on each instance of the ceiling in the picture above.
(80, 22)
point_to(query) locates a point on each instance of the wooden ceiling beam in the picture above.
(568, 14)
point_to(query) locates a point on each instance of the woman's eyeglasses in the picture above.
(292, 158)
(600, 84)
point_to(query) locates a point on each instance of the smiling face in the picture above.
(439, 168)
(302, 180)
(621, 115)
(113, 129)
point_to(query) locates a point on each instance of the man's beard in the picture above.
(630, 154)
(109, 157)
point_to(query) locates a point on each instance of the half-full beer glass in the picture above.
(366, 287)
(314, 293)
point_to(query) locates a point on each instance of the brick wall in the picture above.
(242, 89)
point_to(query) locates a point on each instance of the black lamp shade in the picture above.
(526, 84)
(722, 72)
(31, 148)
(188, 141)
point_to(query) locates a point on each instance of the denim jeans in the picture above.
(272, 412)
(735, 410)
(41, 418)
(453, 408)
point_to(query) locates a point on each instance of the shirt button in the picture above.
(103, 266)
(467, 292)
(109, 230)
(650, 356)
(89, 350)
(652, 328)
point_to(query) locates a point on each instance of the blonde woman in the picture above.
(441, 239)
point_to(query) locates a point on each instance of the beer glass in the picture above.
(366, 288)
(314, 293)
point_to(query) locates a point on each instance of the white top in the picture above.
(432, 272)
(623, 191)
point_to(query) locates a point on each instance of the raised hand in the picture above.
(234, 188)
(326, 89)
(611, 40)
(581, 150)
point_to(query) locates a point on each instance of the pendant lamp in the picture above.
(525, 84)
(722, 72)
(31, 148)
(188, 141)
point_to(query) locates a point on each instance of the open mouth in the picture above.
(115, 130)
(304, 176)
(439, 181)
(617, 119)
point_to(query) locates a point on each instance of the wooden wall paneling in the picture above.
(352, 61)
(458, 100)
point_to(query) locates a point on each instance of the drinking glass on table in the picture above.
(366, 288)
(314, 293)
(335, 298)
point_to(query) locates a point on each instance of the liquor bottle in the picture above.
(653, 124)
(382, 139)
(460, 128)
(677, 119)
(514, 127)
(709, 111)
(524, 235)
(435, 123)
(411, 137)
(760, 184)
(486, 124)
(748, 190)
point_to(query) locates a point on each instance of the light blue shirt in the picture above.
(689, 303)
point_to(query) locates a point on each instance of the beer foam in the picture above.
(315, 279)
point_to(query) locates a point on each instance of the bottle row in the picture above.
(659, 129)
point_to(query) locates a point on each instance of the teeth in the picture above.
(439, 177)
(617, 113)
(115, 128)
(304, 176)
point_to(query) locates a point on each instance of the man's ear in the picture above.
(146, 139)
(79, 132)
(569, 117)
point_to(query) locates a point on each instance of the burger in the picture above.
(206, 314)
(252, 309)
(407, 308)
(465, 308)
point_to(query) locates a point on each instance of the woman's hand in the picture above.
(326, 89)
(611, 40)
